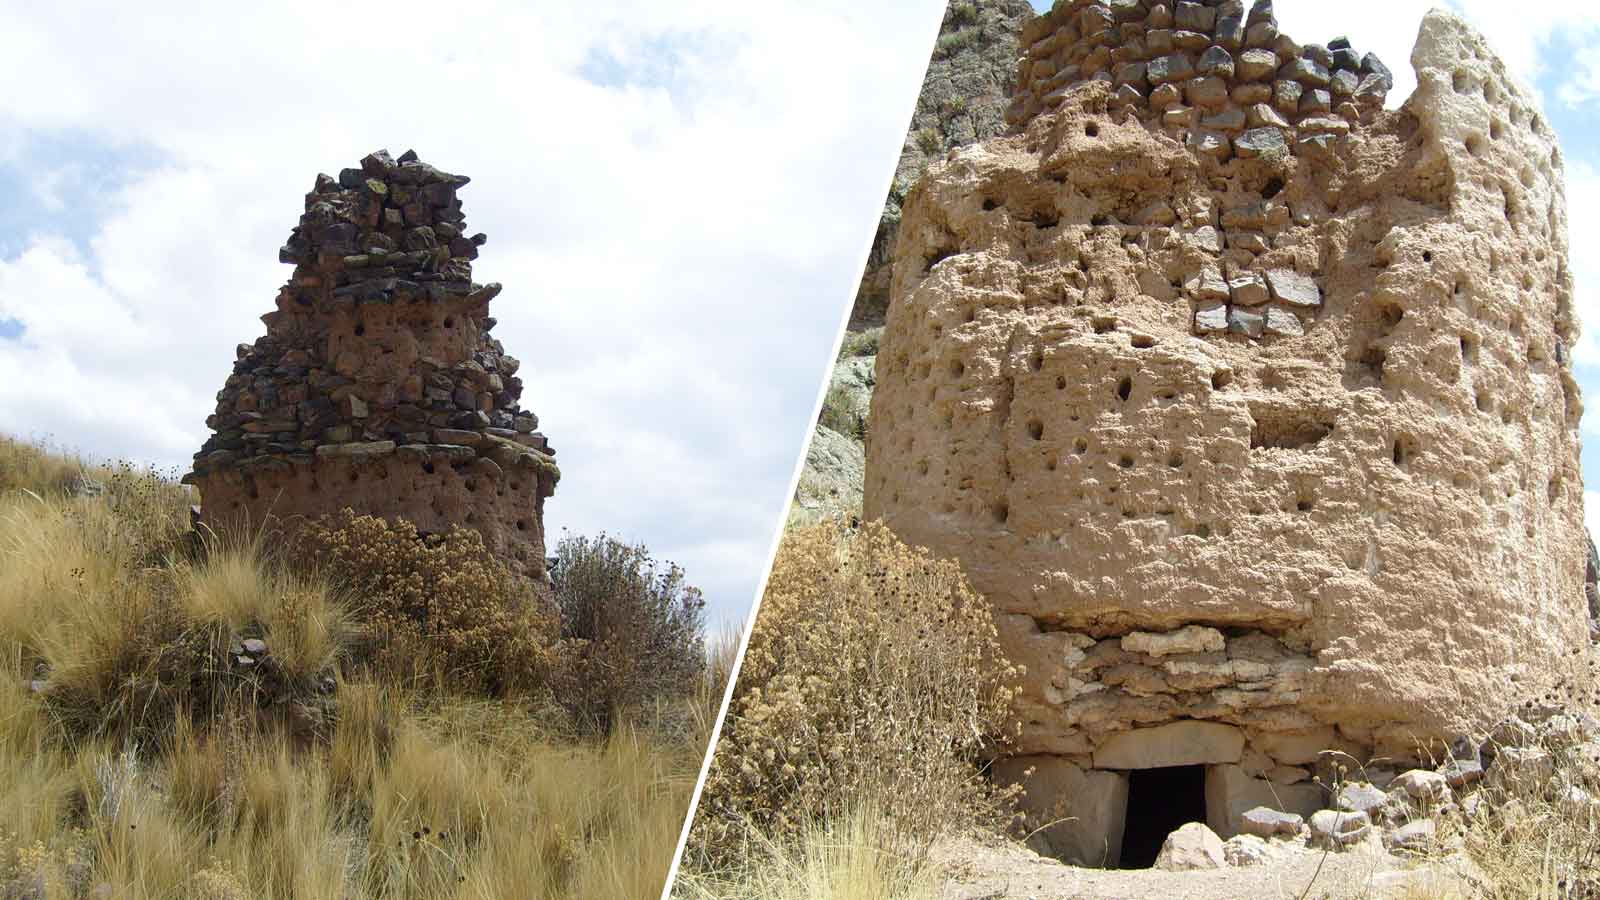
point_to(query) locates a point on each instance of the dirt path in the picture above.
(977, 871)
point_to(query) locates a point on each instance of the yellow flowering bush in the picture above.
(439, 609)
(872, 680)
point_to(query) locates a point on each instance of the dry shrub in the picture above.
(635, 629)
(441, 609)
(872, 681)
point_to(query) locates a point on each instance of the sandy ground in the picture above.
(983, 871)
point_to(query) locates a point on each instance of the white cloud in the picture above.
(678, 234)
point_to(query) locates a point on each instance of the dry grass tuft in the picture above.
(843, 860)
(140, 758)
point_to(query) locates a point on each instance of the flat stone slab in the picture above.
(1188, 639)
(1283, 323)
(1293, 288)
(1211, 318)
(365, 449)
(1189, 742)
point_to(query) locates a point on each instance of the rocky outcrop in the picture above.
(377, 385)
(830, 481)
(965, 92)
(1243, 412)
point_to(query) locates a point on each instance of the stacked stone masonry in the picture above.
(377, 385)
(1246, 402)
(1227, 84)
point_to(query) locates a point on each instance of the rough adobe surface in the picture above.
(1361, 477)
(377, 385)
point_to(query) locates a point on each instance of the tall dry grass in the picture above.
(848, 858)
(140, 759)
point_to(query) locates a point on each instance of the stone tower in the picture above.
(1247, 403)
(377, 385)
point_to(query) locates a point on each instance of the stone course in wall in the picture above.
(1227, 84)
(1253, 419)
(378, 385)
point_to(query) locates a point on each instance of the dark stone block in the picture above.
(378, 163)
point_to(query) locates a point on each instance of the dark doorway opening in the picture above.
(1160, 800)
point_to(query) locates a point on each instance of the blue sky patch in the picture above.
(61, 183)
(669, 60)
(10, 329)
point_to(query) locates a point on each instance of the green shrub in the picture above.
(839, 413)
(860, 343)
(929, 141)
(873, 681)
(950, 44)
(634, 629)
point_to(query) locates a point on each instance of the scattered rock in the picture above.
(1247, 850)
(1425, 786)
(1192, 846)
(1461, 772)
(1418, 835)
(1264, 822)
(1360, 796)
(1339, 829)
(82, 485)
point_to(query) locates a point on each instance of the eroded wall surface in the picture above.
(1243, 399)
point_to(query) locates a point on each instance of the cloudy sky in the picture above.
(678, 198)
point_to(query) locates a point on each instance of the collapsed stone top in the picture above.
(1208, 66)
(380, 339)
